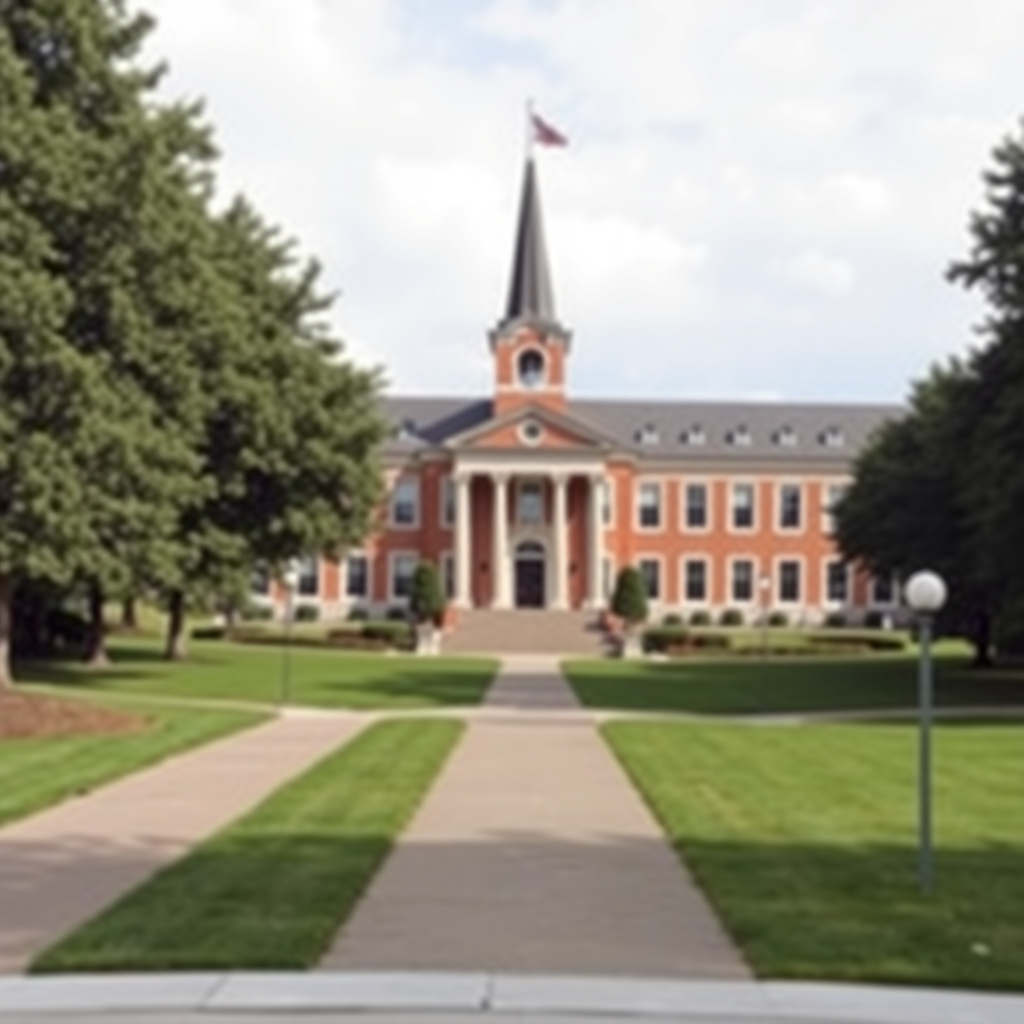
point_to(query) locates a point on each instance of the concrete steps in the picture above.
(525, 631)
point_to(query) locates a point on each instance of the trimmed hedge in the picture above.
(681, 640)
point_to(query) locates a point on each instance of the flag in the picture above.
(544, 134)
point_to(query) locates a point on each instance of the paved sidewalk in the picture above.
(534, 854)
(62, 866)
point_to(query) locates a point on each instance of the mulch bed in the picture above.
(29, 716)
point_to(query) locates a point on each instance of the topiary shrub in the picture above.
(397, 613)
(731, 617)
(835, 620)
(306, 613)
(672, 619)
(358, 614)
(426, 601)
(629, 601)
(253, 612)
(875, 618)
(701, 617)
(778, 619)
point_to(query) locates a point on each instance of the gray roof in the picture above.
(699, 431)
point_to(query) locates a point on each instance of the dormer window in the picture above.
(740, 437)
(530, 369)
(832, 437)
(694, 436)
(407, 430)
(786, 437)
(647, 434)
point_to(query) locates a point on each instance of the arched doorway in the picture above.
(530, 574)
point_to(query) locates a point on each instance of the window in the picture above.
(743, 506)
(786, 437)
(650, 570)
(834, 493)
(402, 568)
(695, 580)
(740, 437)
(694, 436)
(531, 369)
(790, 502)
(447, 501)
(448, 574)
(405, 502)
(789, 581)
(649, 506)
(607, 502)
(647, 434)
(742, 582)
(309, 577)
(837, 581)
(884, 590)
(259, 582)
(529, 502)
(696, 497)
(357, 576)
(607, 578)
(832, 437)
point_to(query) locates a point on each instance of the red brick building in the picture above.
(530, 498)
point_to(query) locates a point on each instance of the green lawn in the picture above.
(741, 686)
(321, 678)
(271, 890)
(39, 772)
(805, 840)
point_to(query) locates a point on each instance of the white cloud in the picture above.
(736, 169)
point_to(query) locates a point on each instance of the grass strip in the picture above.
(805, 841)
(271, 890)
(217, 670)
(743, 686)
(38, 773)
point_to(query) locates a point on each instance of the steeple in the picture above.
(531, 300)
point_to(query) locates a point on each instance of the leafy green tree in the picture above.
(629, 599)
(426, 601)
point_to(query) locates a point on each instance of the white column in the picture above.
(501, 597)
(560, 597)
(595, 542)
(463, 541)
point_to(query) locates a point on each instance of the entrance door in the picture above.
(529, 575)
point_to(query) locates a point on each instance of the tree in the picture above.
(426, 600)
(629, 599)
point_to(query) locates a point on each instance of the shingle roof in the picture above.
(686, 430)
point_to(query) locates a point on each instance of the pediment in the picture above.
(532, 428)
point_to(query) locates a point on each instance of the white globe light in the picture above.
(925, 592)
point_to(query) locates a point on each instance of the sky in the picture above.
(759, 200)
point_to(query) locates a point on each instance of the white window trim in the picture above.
(732, 600)
(660, 559)
(447, 486)
(894, 603)
(368, 596)
(789, 531)
(777, 598)
(393, 557)
(826, 601)
(642, 482)
(684, 598)
(415, 524)
(709, 505)
(731, 527)
(608, 488)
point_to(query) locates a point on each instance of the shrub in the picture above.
(390, 631)
(660, 639)
(672, 619)
(778, 619)
(701, 617)
(426, 602)
(253, 612)
(397, 613)
(731, 617)
(629, 601)
(358, 614)
(835, 620)
(306, 613)
(878, 619)
(209, 632)
(858, 639)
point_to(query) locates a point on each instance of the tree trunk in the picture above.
(981, 638)
(175, 649)
(129, 620)
(6, 599)
(95, 653)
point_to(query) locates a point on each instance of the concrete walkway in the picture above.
(61, 867)
(534, 854)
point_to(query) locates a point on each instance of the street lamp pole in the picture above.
(290, 582)
(926, 594)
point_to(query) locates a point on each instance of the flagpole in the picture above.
(529, 129)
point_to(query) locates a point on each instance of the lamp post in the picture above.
(290, 582)
(925, 593)
(764, 587)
